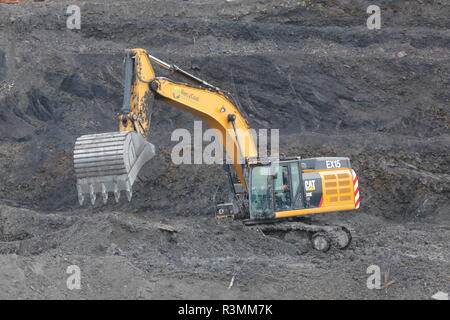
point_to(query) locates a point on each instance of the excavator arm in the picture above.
(94, 154)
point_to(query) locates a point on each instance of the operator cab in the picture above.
(274, 188)
(287, 187)
(292, 186)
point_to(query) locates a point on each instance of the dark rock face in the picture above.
(335, 79)
(3, 66)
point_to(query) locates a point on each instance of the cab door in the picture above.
(282, 188)
(287, 187)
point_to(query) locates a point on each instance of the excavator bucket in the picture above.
(109, 163)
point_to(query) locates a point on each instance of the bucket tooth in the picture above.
(80, 195)
(104, 194)
(116, 193)
(92, 194)
(128, 191)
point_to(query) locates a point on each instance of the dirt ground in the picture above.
(309, 68)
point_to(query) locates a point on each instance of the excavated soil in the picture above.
(309, 68)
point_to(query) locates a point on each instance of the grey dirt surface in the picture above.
(309, 68)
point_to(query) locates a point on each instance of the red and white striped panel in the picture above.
(356, 189)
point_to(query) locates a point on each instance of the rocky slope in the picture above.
(309, 68)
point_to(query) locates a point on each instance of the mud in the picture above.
(310, 68)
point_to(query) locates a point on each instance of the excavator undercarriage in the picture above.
(322, 237)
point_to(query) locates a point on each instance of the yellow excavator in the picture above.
(269, 192)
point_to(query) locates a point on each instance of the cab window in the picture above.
(282, 188)
(295, 175)
(260, 198)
